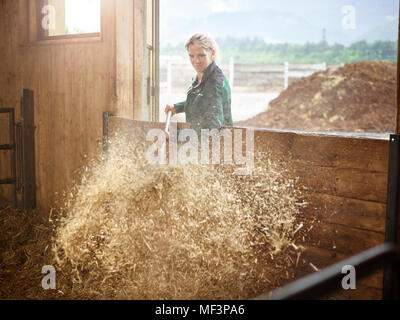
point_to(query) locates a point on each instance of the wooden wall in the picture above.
(344, 182)
(73, 83)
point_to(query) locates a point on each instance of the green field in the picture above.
(256, 51)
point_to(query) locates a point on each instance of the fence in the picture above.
(176, 72)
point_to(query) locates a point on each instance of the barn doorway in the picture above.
(299, 66)
(152, 61)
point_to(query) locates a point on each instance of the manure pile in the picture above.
(357, 97)
(131, 230)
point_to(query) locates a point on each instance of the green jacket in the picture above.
(208, 105)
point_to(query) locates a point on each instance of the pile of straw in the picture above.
(25, 247)
(131, 230)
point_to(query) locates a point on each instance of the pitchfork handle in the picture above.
(168, 121)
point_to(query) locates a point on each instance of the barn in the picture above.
(63, 96)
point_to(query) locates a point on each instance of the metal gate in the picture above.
(22, 153)
(11, 147)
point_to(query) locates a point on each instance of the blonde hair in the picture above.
(204, 41)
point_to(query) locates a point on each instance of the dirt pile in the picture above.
(358, 97)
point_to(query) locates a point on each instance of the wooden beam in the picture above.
(359, 214)
(124, 57)
(23, 21)
(139, 59)
(398, 82)
(28, 149)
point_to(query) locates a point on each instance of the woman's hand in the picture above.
(166, 135)
(169, 108)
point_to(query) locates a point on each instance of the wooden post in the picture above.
(391, 279)
(231, 72)
(398, 85)
(286, 84)
(156, 40)
(28, 149)
(169, 77)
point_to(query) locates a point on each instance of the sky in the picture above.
(276, 21)
(370, 16)
(198, 9)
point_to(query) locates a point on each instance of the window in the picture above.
(60, 21)
(67, 18)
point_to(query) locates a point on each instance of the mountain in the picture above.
(289, 21)
(385, 32)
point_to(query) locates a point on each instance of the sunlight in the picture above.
(82, 16)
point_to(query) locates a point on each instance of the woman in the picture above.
(208, 102)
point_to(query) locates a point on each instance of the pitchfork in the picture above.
(166, 131)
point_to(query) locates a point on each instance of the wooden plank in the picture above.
(337, 238)
(90, 116)
(44, 136)
(70, 117)
(139, 18)
(361, 293)
(60, 175)
(398, 86)
(27, 149)
(33, 25)
(4, 125)
(344, 211)
(332, 165)
(326, 151)
(95, 99)
(22, 22)
(343, 182)
(342, 152)
(124, 58)
(56, 89)
(323, 258)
